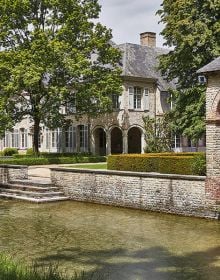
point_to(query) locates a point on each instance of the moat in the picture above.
(122, 244)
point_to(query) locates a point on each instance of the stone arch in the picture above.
(99, 135)
(116, 140)
(134, 140)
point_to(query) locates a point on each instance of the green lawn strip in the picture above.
(90, 166)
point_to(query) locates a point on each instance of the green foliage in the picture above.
(199, 165)
(188, 115)
(54, 54)
(168, 163)
(9, 151)
(5, 118)
(192, 30)
(30, 151)
(157, 134)
(10, 270)
(90, 166)
(31, 160)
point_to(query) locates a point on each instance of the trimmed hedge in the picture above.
(9, 151)
(52, 160)
(170, 163)
(53, 155)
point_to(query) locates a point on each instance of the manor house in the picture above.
(145, 92)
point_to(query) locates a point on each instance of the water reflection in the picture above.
(120, 243)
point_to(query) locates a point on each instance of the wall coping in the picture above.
(13, 166)
(131, 174)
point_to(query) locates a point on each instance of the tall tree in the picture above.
(192, 30)
(54, 53)
(157, 134)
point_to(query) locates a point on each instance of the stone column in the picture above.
(125, 141)
(108, 142)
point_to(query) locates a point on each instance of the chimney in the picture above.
(148, 39)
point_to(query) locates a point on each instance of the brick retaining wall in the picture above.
(177, 194)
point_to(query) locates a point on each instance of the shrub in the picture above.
(170, 163)
(9, 151)
(30, 151)
(199, 165)
(31, 160)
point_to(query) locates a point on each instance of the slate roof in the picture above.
(211, 67)
(142, 62)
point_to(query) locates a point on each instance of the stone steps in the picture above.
(34, 190)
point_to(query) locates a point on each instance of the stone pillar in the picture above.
(108, 142)
(125, 141)
(213, 138)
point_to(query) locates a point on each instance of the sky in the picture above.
(129, 18)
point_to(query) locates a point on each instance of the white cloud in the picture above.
(128, 19)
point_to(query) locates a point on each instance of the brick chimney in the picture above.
(148, 39)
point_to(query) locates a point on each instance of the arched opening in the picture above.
(116, 141)
(100, 141)
(134, 140)
(218, 110)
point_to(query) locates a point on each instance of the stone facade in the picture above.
(145, 92)
(177, 194)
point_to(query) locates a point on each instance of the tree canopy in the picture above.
(53, 54)
(192, 31)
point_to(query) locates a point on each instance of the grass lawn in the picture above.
(90, 166)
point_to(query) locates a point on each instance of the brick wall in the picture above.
(213, 138)
(175, 194)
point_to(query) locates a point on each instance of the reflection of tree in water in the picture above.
(155, 263)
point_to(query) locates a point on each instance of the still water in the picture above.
(122, 244)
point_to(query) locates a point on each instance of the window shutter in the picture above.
(119, 101)
(146, 99)
(131, 97)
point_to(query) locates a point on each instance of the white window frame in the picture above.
(23, 138)
(70, 138)
(83, 138)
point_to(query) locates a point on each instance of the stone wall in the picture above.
(177, 194)
(12, 172)
(213, 138)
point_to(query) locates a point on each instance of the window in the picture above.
(70, 138)
(83, 138)
(115, 101)
(138, 98)
(176, 141)
(47, 138)
(55, 138)
(15, 138)
(7, 139)
(23, 138)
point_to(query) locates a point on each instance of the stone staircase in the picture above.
(36, 190)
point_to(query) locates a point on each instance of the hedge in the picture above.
(52, 160)
(170, 164)
(53, 155)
